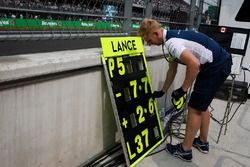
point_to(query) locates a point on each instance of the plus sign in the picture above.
(125, 122)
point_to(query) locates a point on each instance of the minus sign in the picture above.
(118, 95)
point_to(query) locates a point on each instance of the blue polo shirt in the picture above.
(210, 54)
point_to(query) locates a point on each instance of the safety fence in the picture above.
(175, 13)
(39, 24)
(208, 12)
(90, 16)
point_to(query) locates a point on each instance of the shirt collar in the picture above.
(164, 35)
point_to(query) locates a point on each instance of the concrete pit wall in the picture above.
(55, 107)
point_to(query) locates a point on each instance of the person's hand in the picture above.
(158, 94)
(178, 104)
(178, 93)
(178, 98)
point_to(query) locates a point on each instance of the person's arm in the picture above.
(170, 76)
(193, 67)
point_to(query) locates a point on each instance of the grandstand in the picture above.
(68, 15)
(88, 16)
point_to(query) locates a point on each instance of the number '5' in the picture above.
(120, 66)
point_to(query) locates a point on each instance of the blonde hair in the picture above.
(147, 27)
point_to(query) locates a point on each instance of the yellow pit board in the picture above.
(130, 90)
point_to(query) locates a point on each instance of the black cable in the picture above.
(102, 156)
(162, 47)
(212, 109)
(119, 162)
(234, 112)
(112, 162)
(230, 119)
(167, 135)
(156, 152)
(176, 127)
(165, 138)
(245, 69)
(214, 119)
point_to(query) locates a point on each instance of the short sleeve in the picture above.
(175, 47)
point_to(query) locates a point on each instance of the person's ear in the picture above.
(155, 34)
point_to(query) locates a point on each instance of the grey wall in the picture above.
(55, 107)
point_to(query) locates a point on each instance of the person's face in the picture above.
(155, 38)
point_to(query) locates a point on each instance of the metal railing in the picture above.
(208, 12)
